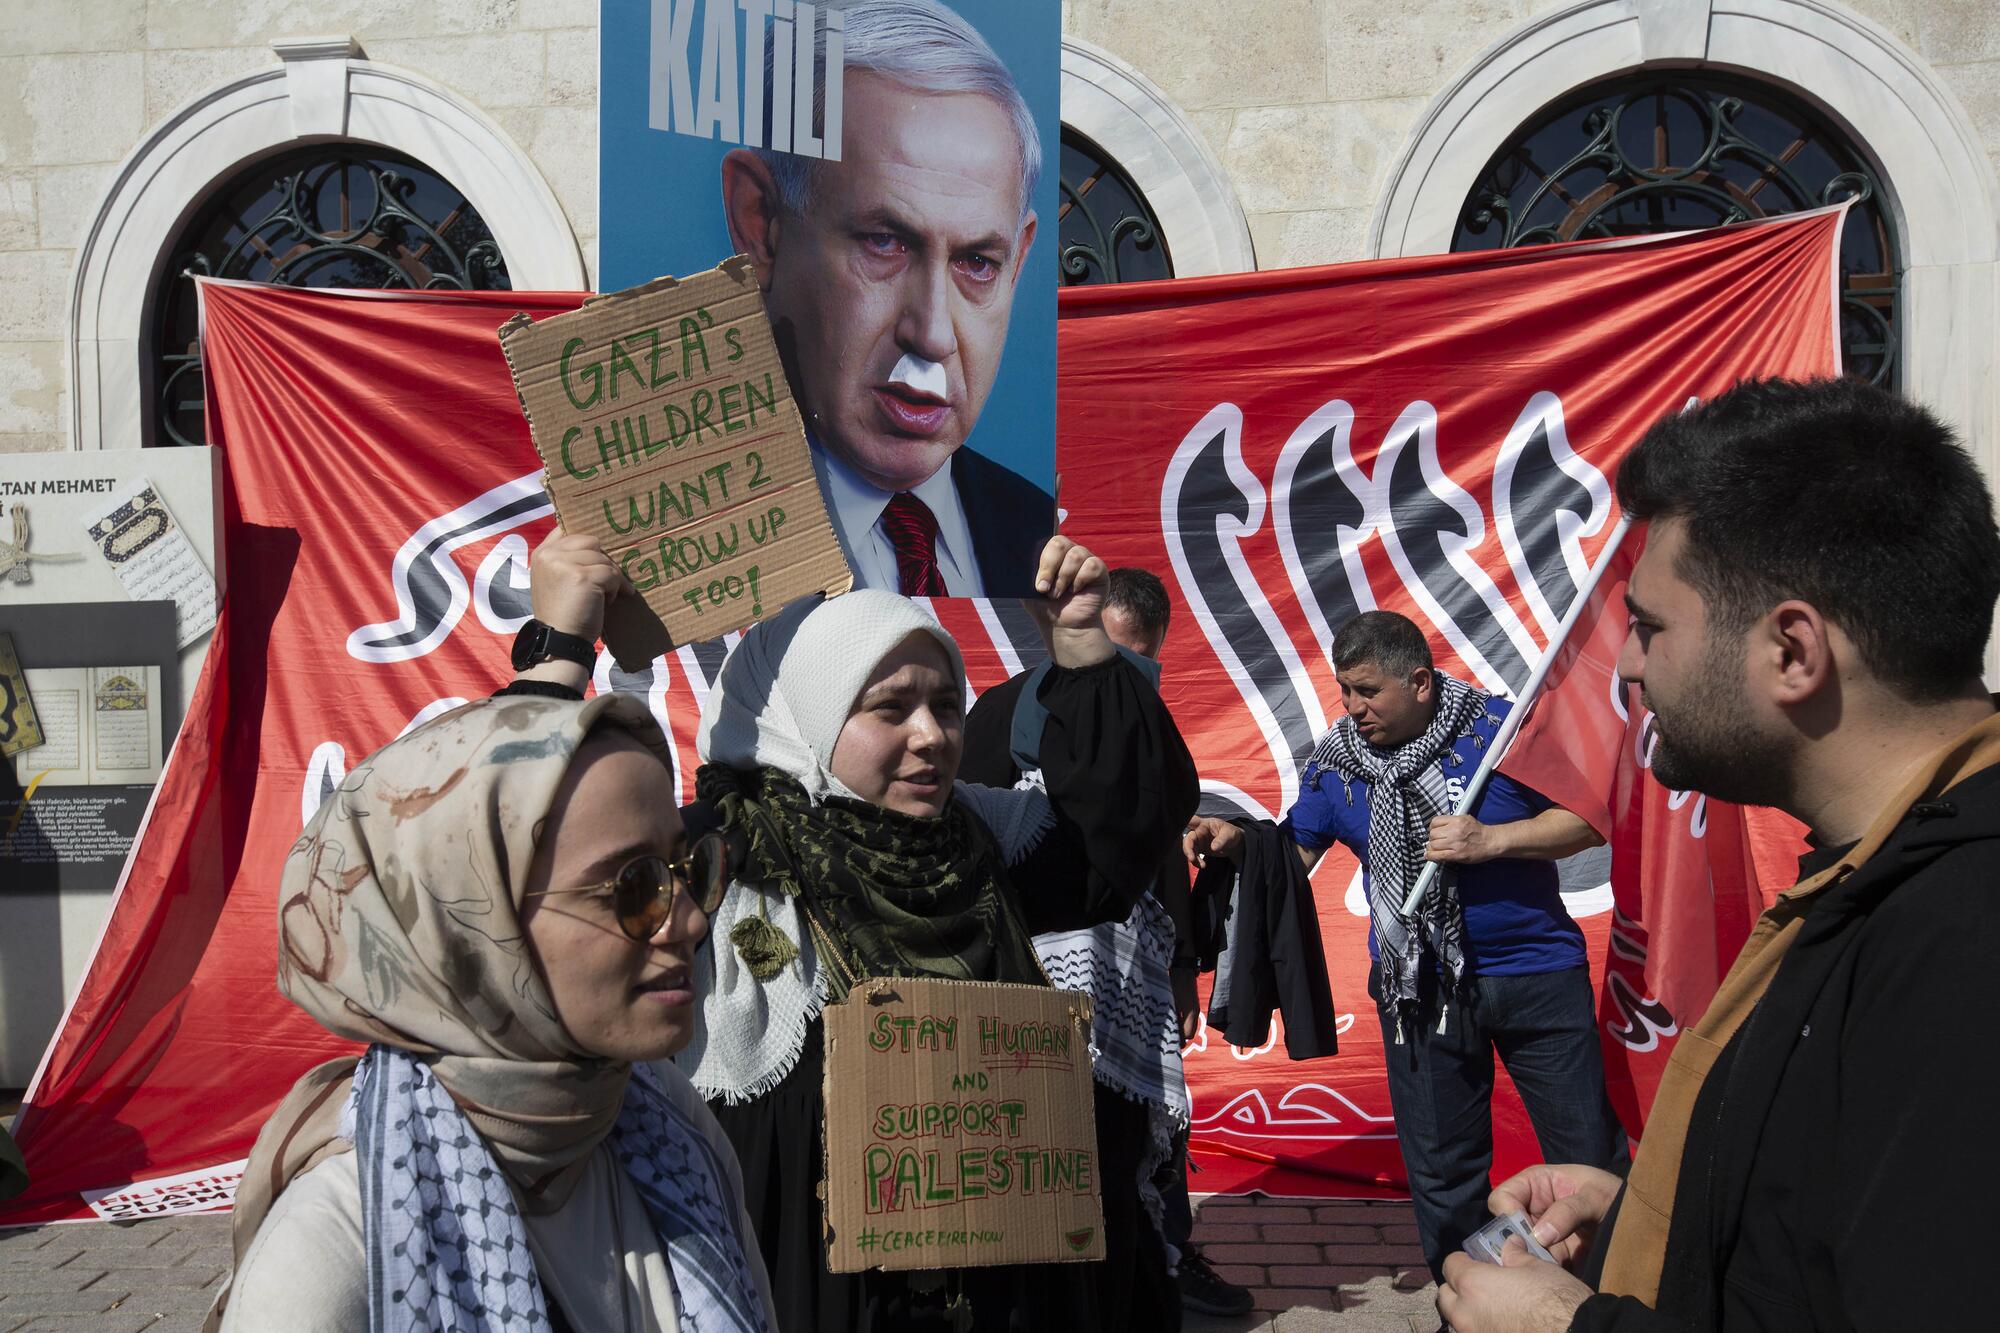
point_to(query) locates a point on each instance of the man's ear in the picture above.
(1422, 682)
(750, 206)
(1021, 248)
(1795, 651)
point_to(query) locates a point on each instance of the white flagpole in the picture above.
(1505, 736)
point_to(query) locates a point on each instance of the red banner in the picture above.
(1434, 436)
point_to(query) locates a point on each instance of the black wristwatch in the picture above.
(537, 643)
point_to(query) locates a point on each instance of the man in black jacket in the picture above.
(1001, 735)
(1809, 619)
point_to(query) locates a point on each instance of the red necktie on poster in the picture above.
(912, 529)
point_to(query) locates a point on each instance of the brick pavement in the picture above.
(112, 1277)
(1315, 1267)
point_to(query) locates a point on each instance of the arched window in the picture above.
(1676, 150)
(1108, 231)
(332, 215)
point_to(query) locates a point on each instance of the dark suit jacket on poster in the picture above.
(1011, 520)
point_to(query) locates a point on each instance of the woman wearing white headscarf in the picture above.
(832, 740)
(503, 907)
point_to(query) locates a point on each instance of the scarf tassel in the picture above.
(762, 946)
(1444, 1015)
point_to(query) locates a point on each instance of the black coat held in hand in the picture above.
(1275, 958)
(1842, 1169)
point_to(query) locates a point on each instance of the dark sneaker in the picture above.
(1204, 1291)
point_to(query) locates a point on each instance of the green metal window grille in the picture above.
(333, 215)
(1667, 152)
(1107, 230)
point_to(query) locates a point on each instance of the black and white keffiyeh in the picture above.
(1125, 967)
(1407, 790)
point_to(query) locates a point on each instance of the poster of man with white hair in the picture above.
(890, 168)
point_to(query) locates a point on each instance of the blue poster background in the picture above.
(660, 204)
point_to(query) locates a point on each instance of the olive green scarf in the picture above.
(899, 895)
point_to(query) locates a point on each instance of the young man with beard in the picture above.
(1809, 619)
(1491, 961)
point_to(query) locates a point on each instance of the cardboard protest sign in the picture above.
(960, 1127)
(668, 432)
(912, 148)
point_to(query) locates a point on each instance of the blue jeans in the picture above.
(1544, 1027)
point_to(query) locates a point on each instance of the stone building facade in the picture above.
(1260, 133)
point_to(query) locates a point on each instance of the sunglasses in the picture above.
(642, 895)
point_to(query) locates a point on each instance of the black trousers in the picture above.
(1544, 1027)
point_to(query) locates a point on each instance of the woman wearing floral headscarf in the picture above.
(832, 740)
(502, 905)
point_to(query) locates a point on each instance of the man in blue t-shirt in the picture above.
(1491, 961)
